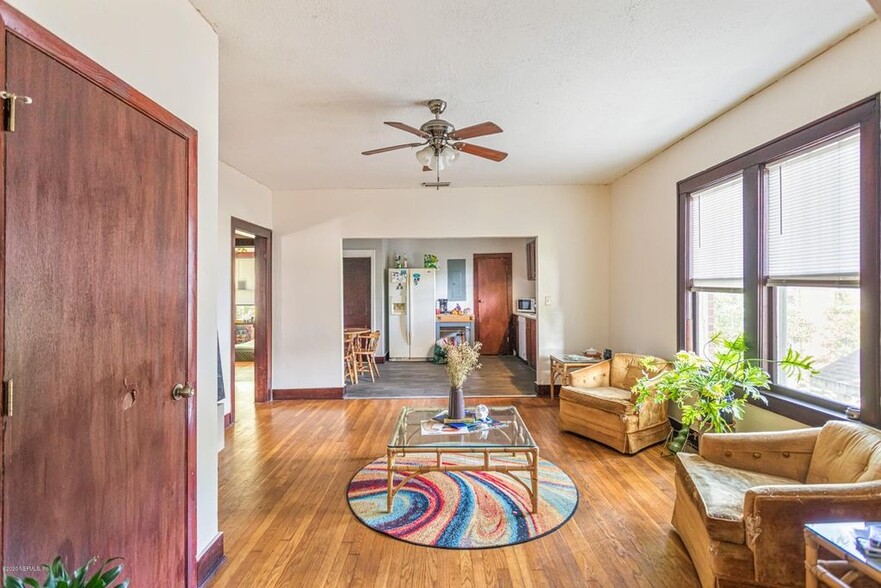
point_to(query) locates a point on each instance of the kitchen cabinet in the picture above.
(530, 342)
(526, 348)
(530, 260)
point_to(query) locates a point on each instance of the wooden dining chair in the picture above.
(350, 357)
(365, 354)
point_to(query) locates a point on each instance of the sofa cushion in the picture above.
(625, 371)
(845, 453)
(717, 492)
(612, 400)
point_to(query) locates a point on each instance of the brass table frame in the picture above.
(411, 472)
(826, 572)
(486, 465)
(561, 366)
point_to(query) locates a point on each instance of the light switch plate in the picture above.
(547, 300)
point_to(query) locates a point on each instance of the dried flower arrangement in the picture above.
(462, 359)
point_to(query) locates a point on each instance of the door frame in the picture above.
(263, 322)
(508, 258)
(361, 253)
(16, 23)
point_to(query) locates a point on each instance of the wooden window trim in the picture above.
(758, 308)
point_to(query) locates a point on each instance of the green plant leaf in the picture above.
(12, 582)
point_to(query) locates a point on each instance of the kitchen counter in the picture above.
(529, 315)
(455, 318)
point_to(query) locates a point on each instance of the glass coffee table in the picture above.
(513, 439)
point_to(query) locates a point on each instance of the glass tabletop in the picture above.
(575, 358)
(416, 427)
(844, 536)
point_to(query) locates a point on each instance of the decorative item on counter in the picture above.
(405, 261)
(430, 261)
(607, 354)
(462, 359)
(399, 263)
(457, 310)
(466, 311)
(591, 353)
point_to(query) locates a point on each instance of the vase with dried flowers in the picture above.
(462, 359)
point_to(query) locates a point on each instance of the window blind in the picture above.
(814, 214)
(717, 235)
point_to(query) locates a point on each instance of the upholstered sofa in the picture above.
(742, 502)
(598, 404)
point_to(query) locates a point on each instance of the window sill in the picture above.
(799, 410)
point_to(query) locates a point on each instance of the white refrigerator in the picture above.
(411, 303)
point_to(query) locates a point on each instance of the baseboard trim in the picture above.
(227, 420)
(307, 393)
(542, 389)
(209, 560)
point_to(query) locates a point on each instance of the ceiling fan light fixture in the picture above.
(425, 155)
(449, 155)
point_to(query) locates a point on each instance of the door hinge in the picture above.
(9, 100)
(8, 398)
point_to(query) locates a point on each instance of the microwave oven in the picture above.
(526, 305)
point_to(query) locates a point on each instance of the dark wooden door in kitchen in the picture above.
(492, 301)
(99, 319)
(357, 293)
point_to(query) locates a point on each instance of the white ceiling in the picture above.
(584, 89)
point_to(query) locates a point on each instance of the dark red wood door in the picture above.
(492, 301)
(96, 327)
(357, 295)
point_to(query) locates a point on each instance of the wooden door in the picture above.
(98, 458)
(357, 293)
(492, 301)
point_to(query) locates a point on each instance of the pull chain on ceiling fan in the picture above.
(443, 142)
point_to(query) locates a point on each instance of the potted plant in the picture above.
(58, 576)
(462, 359)
(712, 390)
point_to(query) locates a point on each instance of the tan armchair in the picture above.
(598, 404)
(742, 503)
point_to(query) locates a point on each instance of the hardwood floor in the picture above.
(500, 375)
(286, 522)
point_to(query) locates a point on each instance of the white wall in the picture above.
(570, 222)
(245, 199)
(180, 72)
(643, 210)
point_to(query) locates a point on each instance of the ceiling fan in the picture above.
(442, 141)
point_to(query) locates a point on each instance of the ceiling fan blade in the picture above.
(384, 149)
(487, 128)
(409, 129)
(479, 151)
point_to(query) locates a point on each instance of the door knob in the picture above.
(182, 391)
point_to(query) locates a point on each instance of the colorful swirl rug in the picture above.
(462, 510)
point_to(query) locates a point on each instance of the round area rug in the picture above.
(462, 510)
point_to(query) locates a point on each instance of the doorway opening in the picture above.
(417, 293)
(251, 317)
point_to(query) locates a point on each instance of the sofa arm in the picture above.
(775, 517)
(783, 453)
(592, 376)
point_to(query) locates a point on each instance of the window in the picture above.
(716, 251)
(813, 236)
(783, 244)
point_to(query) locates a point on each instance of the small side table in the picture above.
(840, 540)
(560, 366)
